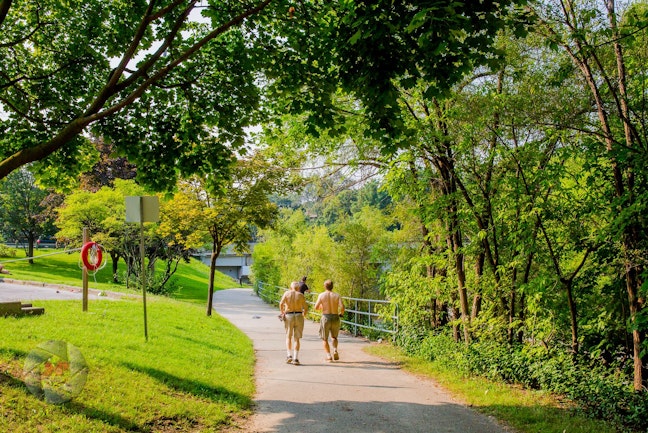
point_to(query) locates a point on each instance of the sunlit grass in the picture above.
(193, 373)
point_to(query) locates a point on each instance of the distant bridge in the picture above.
(230, 263)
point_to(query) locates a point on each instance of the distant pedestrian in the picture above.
(303, 288)
(293, 309)
(332, 308)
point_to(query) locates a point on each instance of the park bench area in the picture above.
(18, 309)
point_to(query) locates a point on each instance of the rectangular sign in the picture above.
(142, 209)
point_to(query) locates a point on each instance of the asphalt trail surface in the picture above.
(359, 393)
(16, 290)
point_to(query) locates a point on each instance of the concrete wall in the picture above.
(231, 264)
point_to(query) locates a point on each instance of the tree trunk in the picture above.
(633, 279)
(573, 316)
(511, 318)
(212, 272)
(455, 245)
(30, 248)
(216, 249)
(477, 298)
(114, 257)
(637, 336)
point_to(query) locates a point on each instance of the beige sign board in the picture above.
(142, 209)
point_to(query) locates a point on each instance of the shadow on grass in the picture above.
(108, 418)
(193, 387)
(203, 345)
(42, 266)
(13, 353)
(551, 419)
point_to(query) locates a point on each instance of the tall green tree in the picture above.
(157, 81)
(154, 77)
(24, 209)
(371, 50)
(103, 213)
(603, 45)
(363, 238)
(231, 213)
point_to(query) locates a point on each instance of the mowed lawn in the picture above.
(194, 374)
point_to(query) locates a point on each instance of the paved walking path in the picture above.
(359, 393)
(17, 290)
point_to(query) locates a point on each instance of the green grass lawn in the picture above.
(194, 374)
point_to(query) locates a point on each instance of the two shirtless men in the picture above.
(294, 308)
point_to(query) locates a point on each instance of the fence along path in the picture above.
(357, 394)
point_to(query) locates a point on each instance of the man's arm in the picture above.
(282, 303)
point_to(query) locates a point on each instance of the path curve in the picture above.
(360, 393)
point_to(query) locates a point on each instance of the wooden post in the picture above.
(85, 273)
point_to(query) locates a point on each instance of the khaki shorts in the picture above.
(329, 324)
(294, 325)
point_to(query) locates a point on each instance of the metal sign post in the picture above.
(84, 275)
(141, 209)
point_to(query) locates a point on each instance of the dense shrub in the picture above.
(443, 347)
(598, 391)
(409, 339)
(6, 251)
(264, 268)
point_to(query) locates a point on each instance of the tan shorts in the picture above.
(294, 325)
(329, 324)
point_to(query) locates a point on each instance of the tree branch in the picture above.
(93, 112)
(5, 5)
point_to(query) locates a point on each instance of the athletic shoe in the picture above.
(296, 362)
(328, 358)
(288, 359)
(336, 356)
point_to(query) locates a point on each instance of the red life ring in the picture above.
(96, 256)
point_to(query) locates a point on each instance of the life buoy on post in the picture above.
(91, 256)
